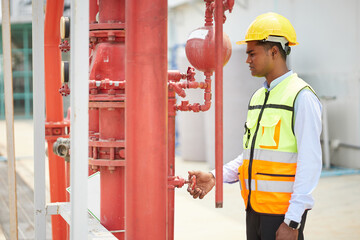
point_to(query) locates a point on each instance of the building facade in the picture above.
(327, 57)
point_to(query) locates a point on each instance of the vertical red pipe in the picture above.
(171, 161)
(114, 10)
(112, 198)
(54, 109)
(112, 181)
(93, 10)
(219, 16)
(146, 120)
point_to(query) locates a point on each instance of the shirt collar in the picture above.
(277, 80)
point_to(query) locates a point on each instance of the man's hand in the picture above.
(285, 232)
(204, 183)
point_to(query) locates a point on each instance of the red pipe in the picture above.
(54, 109)
(93, 10)
(219, 18)
(112, 200)
(111, 11)
(146, 120)
(195, 107)
(175, 75)
(171, 161)
(107, 113)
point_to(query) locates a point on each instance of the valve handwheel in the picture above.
(191, 182)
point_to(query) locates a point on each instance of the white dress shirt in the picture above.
(307, 128)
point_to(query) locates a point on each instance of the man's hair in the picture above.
(268, 45)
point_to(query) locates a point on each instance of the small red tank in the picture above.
(200, 49)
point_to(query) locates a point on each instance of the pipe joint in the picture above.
(175, 75)
(62, 148)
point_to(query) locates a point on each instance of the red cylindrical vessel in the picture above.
(54, 110)
(108, 62)
(93, 10)
(113, 200)
(146, 119)
(107, 129)
(94, 123)
(107, 113)
(111, 11)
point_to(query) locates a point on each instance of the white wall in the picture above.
(328, 57)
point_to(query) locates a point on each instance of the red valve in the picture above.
(228, 5)
(190, 74)
(64, 46)
(191, 182)
(64, 90)
(179, 182)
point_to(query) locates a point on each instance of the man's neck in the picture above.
(275, 74)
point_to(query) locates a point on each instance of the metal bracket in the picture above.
(96, 230)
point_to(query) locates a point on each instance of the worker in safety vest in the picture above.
(281, 162)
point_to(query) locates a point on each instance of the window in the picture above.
(21, 41)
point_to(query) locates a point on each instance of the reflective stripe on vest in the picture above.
(271, 156)
(270, 186)
(270, 149)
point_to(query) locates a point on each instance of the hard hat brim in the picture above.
(241, 42)
(246, 41)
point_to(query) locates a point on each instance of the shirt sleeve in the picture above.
(230, 170)
(307, 130)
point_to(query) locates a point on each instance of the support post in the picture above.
(146, 120)
(9, 115)
(219, 16)
(39, 118)
(79, 101)
(325, 132)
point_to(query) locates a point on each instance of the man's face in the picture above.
(259, 59)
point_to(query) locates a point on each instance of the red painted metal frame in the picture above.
(146, 120)
(54, 112)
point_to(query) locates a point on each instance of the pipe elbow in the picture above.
(205, 106)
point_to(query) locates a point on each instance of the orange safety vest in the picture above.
(268, 171)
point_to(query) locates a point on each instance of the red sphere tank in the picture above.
(200, 49)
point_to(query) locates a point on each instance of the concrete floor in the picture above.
(336, 214)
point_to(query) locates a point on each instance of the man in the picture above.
(281, 162)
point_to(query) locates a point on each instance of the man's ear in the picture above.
(274, 51)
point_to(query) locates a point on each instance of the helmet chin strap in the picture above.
(282, 40)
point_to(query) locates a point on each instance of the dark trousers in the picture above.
(264, 227)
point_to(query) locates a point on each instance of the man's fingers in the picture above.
(202, 195)
(193, 172)
(191, 191)
(197, 194)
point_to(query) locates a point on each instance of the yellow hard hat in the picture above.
(270, 24)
